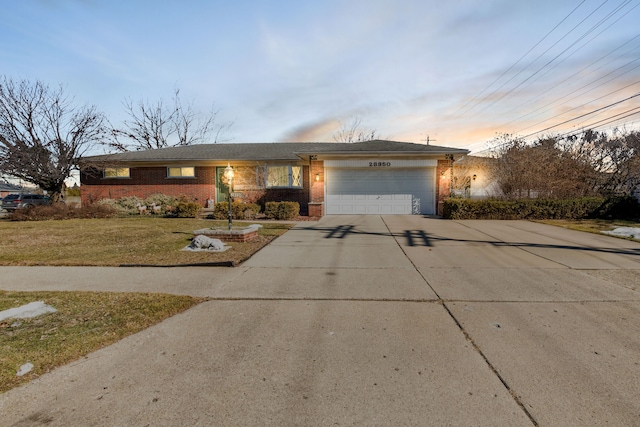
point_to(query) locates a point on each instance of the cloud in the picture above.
(317, 131)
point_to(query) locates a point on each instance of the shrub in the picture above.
(282, 210)
(165, 202)
(626, 207)
(160, 200)
(239, 210)
(186, 209)
(250, 210)
(73, 191)
(130, 204)
(60, 211)
(111, 203)
(586, 207)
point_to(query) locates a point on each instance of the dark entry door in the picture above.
(222, 189)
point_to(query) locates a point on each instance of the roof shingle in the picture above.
(274, 151)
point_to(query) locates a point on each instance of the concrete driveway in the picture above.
(368, 320)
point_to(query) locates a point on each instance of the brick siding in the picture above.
(145, 181)
(316, 207)
(443, 183)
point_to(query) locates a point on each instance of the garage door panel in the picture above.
(383, 191)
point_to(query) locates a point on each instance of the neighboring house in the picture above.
(373, 177)
(472, 178)
(6, 189)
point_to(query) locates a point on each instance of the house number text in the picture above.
(379, 164)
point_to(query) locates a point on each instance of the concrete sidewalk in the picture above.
(368, 320)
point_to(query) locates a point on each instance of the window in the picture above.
(186, 172)
(116, 173)
(284, 176)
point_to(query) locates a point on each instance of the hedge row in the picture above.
(586, 207)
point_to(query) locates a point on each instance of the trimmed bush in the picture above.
(186, 209)
(239, 210)
(627, 208)
(283, 211)
(586, 207)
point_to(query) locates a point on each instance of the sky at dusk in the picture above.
(458, 72)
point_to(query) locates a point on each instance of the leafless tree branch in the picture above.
(151, 126)
(592, 163)
(351, 132)
(43, 135)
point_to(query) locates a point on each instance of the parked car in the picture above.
(24, 201)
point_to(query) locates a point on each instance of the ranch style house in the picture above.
(325, 178)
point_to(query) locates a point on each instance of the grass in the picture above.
(87, 321)
(591, 225)
(116, 241)
(84, 322)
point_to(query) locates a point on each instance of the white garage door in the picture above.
(380, 191)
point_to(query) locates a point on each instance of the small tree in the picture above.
(161, 125)
(42, 134)
(353, 133)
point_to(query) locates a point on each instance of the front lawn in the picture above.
(83, 323)
(118, 241)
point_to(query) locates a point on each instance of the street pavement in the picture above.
(366, 320)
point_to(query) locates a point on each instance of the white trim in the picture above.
(381, 163)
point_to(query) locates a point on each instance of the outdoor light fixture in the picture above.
(228, 174)
(318, 177)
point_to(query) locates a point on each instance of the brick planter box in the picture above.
(245, 234)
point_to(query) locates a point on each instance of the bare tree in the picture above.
(42, 134)
(160, 125)
(615, 158)
(353, 133)
(544, 168)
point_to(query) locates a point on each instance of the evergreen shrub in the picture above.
(239, 210)
(283, 211)
(584, 207)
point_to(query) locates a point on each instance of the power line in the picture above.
(583, 115)
(574, 74)
(569, 78)
(455, 114)
(592, 89)
(586, 43)
(611, 17)
(509, 92)
(606, 121)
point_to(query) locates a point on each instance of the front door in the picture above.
(222, 189)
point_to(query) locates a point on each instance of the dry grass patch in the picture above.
(591, 225)
(117, 241)
(84, 322)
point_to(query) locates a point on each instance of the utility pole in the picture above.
(428, 140)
